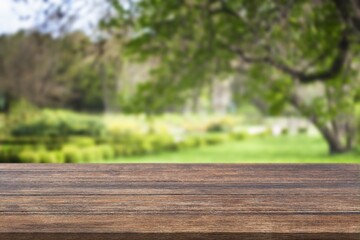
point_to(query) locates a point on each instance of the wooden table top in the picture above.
(174, 201)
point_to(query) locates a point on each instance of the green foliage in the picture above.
(51, 157)
(194, 40)
(59, 124)
(31, 156)
(357, 119)
(284, 131)
(123, 136)
(214, 139)
(9, 153)
(91, 154)
(216, 127)
(162, 141)
(188, 143)
(145, 101)
(294, 43)
(72, 154)
(239, 135)
(108, 151)
(135, 144)
(56, 72)
(223, 124)
(303, 130)
(20, 111)
(76, 154)
(82, 141)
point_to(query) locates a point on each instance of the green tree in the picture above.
(28, 65)
(280, 47)
(51, 72)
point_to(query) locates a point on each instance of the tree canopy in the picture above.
(308, 40)
(277, 46)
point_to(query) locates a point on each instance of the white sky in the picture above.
(9, 18)
(10, 13)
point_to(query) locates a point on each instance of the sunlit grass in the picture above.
(285, 149)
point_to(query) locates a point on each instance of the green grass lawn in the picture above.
(285, 149)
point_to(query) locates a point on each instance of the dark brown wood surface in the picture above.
(166, 201)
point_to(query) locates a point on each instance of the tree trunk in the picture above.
(105, 93)
(340, 138)
(196, 94)
(332, 138)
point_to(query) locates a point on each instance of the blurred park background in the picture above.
(180, 81)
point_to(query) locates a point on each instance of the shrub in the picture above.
(302, 130)
(82, 141)
(162, 141)
(239, 135)
(36, 156)
(59, 124)
(9, 153)
(213, 139)
(139, 144)
(72, 154)
(223, 124)
(216, 127)
(107, 151)
(189, 142)
(284, 131)
(20, 111)
(34, 142)
(136, 144)
(29, 156)
(119, 150)
(75, 154)
(90, 154)
(60, 157)
(195, 140)
(51, 157)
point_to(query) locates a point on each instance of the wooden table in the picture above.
(165, 201)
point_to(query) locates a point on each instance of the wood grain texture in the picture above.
(166, 201)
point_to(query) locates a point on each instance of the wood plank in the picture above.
(178, 204)
(166, 201)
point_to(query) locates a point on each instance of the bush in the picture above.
(33, 141)
(189, 142)
(162, 142)
(29, 156)
(72, 154)
(36, 156)
(107, 151)
(51, 157)
(82, 141)
(59, 124)
(137, 144)
(9, 153)
(119, 150)
(76, 154)
(239, 136)
(284, 131)
(223, 124)
(302, 130)
(214, 139)
(141, 144)
(62, 136)
(20, 111)
(199, 141)
(91, 154)
(216, 127)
